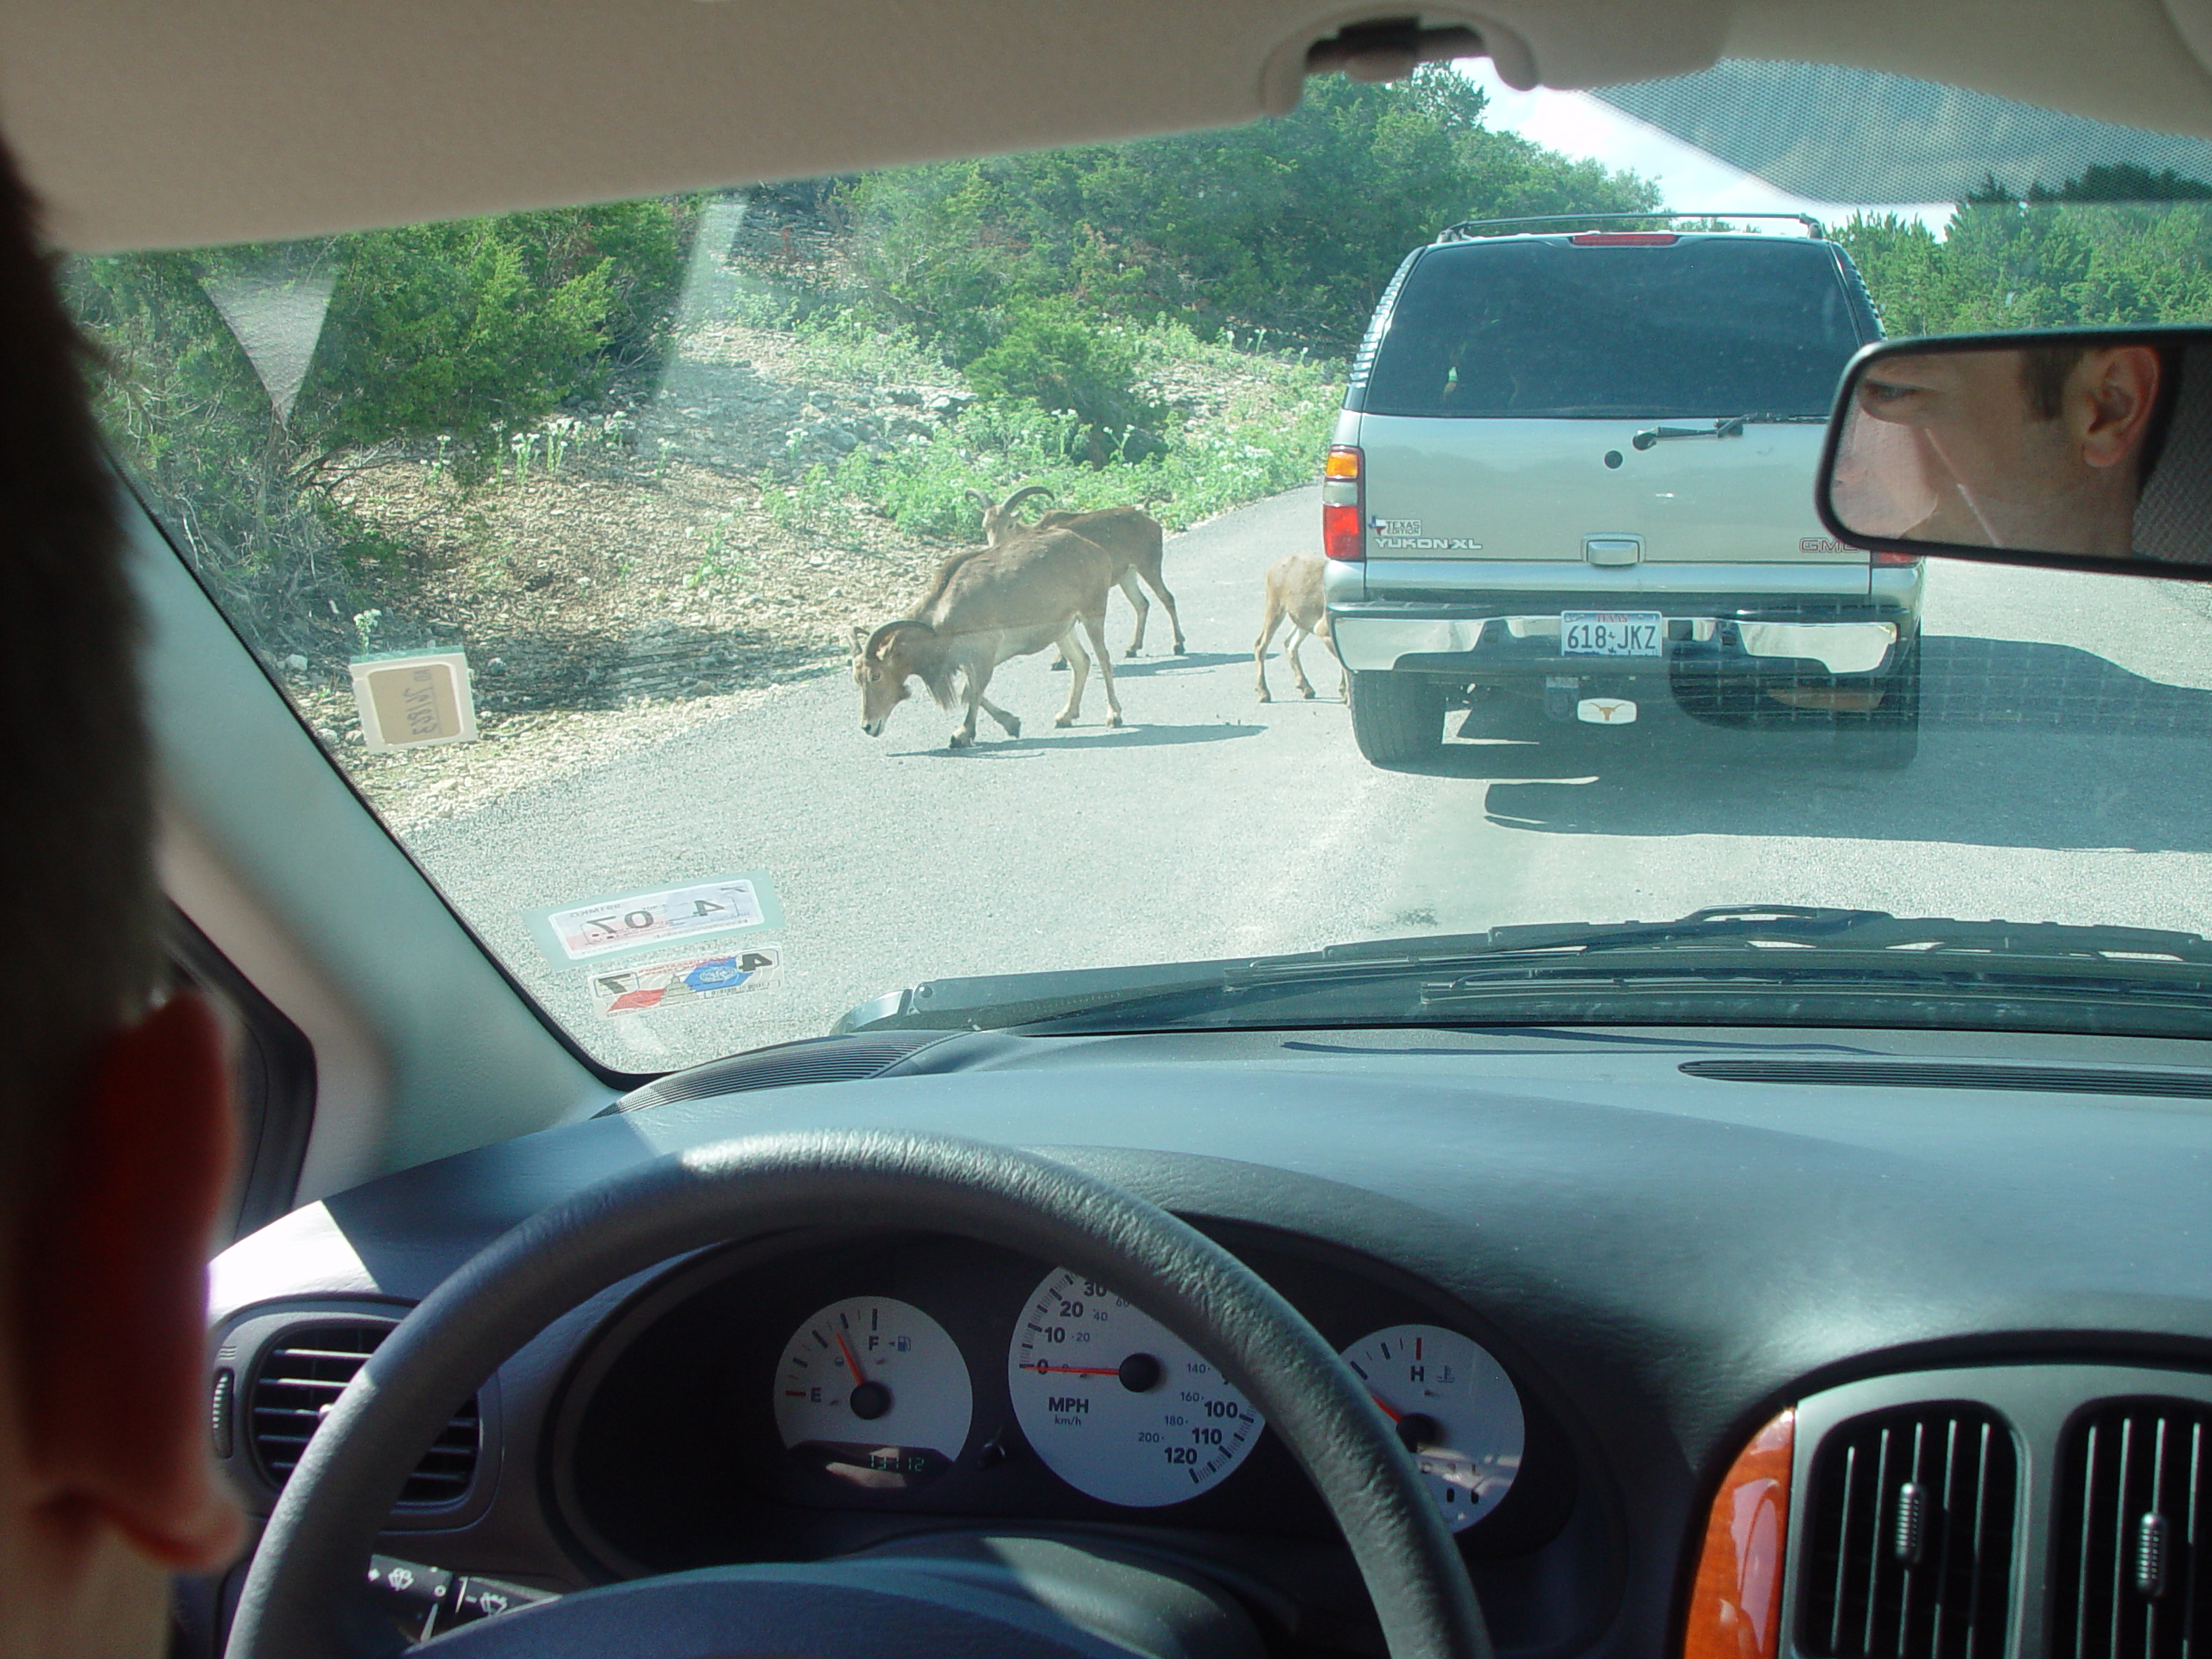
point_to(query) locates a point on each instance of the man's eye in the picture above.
(1882, 391)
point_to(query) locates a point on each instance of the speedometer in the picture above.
(872, 1391)
(1116, 1405)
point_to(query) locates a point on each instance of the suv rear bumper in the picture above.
(1499, 634)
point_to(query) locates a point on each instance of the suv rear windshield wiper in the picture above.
(1728, 426)
(1763, 964)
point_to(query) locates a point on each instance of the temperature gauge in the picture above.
(872, 1391)
(1454, 1408)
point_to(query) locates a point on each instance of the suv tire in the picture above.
(1888, 739)
(1396, 718)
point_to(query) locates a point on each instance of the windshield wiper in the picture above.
(1728, 426)
(1768, 947)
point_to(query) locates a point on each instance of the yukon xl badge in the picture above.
(1406, 533)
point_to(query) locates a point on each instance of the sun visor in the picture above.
(1844, 135)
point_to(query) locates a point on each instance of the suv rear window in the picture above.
(1534, 329)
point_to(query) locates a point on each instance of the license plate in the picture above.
(1611, 633)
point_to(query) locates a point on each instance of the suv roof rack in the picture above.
(1473, 229)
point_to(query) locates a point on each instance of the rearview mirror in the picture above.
(2079, 447)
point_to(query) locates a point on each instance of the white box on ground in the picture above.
(407, 702)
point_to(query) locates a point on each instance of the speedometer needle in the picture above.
(1042, 1368)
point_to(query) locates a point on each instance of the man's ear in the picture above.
(114, 1296)
(2112, 395)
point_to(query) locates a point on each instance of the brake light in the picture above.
(1897, 558)
(1625, 240)
(1343, 489)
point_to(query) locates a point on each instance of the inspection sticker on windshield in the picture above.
(656, 920)
(670, 982)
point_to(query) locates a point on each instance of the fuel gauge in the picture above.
(1454, 1408)
(872, 1391)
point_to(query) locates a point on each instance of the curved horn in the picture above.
(1022, 495)
(874, 650)
(979, 497)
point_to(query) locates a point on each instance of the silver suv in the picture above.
(1574, 472)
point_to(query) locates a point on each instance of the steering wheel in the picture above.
(306, 1595)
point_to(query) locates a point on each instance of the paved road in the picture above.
(2063, 774)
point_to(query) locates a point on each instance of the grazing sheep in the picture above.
(1294, 591)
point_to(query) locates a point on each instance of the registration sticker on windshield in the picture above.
(621, 924)
(671, 981)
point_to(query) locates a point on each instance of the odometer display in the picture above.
(1117, 1406)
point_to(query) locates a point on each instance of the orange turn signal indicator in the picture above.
(1735, 1610)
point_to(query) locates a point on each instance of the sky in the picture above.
(1581, 126)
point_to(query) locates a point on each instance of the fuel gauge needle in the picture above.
(852, 1361)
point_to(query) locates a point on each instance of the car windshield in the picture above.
(1641, 324)
(636, 563)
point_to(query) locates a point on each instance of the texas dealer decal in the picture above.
(1405, 534)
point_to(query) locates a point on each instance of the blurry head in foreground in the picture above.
(2042, 449)
(115, 1131)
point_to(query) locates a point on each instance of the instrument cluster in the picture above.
(771, 1395)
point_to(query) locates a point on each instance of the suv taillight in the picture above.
(1343, 487)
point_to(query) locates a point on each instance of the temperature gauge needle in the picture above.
(1386, 1407)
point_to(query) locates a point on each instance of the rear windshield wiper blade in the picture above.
(1728, 426)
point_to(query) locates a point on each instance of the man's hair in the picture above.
(2044, 371)
(78, 898)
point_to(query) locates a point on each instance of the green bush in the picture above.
(1267, 439)
(1065, 363)
(470, 328)
(451, 332)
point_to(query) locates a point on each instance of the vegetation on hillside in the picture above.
(2115, 246)
(1078, 294)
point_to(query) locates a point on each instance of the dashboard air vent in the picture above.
(302, 1376)
(2132, 1538)
(812, 1059)
(1910, 1528)
(1941, 1074)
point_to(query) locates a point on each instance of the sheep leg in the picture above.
(1153, 581)
(1095, 625)
(1299, 636)
(1322, 632)
(1078, 671)
(1268, 626)
(978, 678)
(1128, 584)
(1012, 723)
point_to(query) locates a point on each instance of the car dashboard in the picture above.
(1917, 1325)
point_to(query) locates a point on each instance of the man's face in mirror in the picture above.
(2038, 449)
